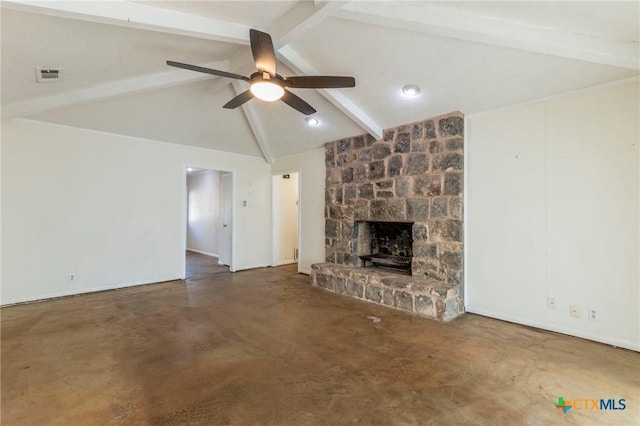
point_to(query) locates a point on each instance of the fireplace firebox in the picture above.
(386, 245)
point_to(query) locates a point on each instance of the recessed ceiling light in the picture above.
(189, 169)
(312, 121)
(411, 90)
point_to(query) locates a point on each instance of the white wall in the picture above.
(110, 209)
(285, 218)
(203, 212)
(552, 208)
(312, 174)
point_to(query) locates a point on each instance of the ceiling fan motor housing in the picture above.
(265, 76)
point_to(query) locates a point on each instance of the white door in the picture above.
(226, 201)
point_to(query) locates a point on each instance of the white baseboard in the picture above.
(285, 262)
(203, 252)
(634, 346)
(78, 292)
(245, 267)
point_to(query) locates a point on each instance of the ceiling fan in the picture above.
(266, 84)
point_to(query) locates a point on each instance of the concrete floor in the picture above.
(264, 347)
(201, 266)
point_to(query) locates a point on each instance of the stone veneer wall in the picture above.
(414, 174)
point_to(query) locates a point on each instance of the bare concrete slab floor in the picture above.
(202, 266)
(264, 347)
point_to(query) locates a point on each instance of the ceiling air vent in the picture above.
(48, 75)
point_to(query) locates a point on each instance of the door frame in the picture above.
(223, 203)
(184, 218)
(274, 237)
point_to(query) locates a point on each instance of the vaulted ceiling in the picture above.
(467, 56)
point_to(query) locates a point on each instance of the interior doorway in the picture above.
(209, 226)
(286, 218)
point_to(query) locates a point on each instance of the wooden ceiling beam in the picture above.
(432, 19)
(294, 61)
(136, 15)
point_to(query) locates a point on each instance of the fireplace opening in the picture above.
(386, 245)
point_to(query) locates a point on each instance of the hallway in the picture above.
(265, 347)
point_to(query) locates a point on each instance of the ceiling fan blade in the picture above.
(319, 82)
(207, 70)
(297, 103)
(239, 100)
(263, 53)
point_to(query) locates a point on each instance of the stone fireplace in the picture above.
(402, 197)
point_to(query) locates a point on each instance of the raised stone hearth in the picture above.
(413, 175)
(423, 296)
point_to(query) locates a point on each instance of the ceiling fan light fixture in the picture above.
(267, 91)
(411, 90)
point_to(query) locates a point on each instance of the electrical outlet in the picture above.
(575, 311)
(551, 303)
(593, 314)
(72, 277)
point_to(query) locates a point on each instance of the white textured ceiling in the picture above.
(89, 53)
(186, 114)
(454, 75)
(470, 56)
